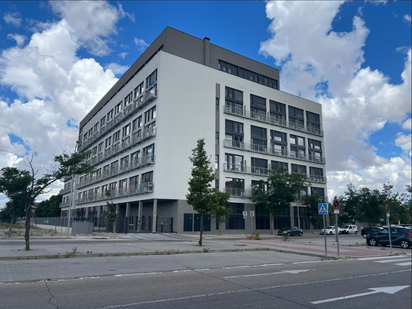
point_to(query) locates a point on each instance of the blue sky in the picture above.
(374, 40)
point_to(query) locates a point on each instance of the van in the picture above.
(349, 229)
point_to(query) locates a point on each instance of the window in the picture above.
(217, 138)
(126, 130)
(114, 167)
(296, 118)
(259, 139)
(257, 102)
(278, 165)
(113, 186)
(312, 118)
(137, 123)
(277, 113)
(315, 150)
(94, 151)
(234, 100)
(108, 142)
(316, 172)
(147, 177)
(151, 80)
(110, 116)
(116, 137)
(135, 157)
(234, 94)
(128, 99)
(148, 151)
(90, 132)
(100, 147)
(216, 162)
(297, 140)
(123, 185)
(102, 122)
(138, 91)
(150, 114)
(314, 144)
(233, 162)
(217, 104)
(298, 169)
(105, 189)
(235, 186)
(85, 137)
(259, 166)
(124, 162)
(298, 149)
(278, 137)
(234, 127)
(246, 74)
(133, 181)
(106, 170)
(95, 128)
(118, 108)
(319, 191)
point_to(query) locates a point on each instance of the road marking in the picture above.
(387, 290)
(376, 258)
(248, 266)
(249, 290)
(404, 264)
(268, 274)
(393, 260)
(138, 274)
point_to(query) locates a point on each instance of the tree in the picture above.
(111, 213)
(50, 207)
(27, 183)
(311, 202)
(201, 195)
(222, 210)
(277, 194)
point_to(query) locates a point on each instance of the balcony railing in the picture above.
(136, 164)
(125, 192)
(64, 204)
(120, 147)
(235, 192)
(138, 104)
(270, 151)
(65, 190)
(267, 118)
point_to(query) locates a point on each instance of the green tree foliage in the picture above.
(201, 195)
(277, 194)
(50, 207)
(28, 185)
(222, 210)
(14, 209)
(311, 202)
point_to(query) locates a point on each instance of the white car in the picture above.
(330, 230)
(349, 229)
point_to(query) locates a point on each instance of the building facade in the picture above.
(142, 132)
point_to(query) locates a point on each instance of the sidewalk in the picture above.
(160, 244)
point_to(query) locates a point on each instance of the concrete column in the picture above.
(139, 216)
(86, 213)
(127, 210)
(154, 216)
(98, 211)
(292, 216)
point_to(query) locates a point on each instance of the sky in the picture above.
(57, 59)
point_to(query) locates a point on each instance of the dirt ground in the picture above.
(18, 230)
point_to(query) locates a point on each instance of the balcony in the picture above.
(316, 178)
(65, 190)
(270, 151)
(136, 164)
(236, 192)
(64, 204)
(138, 104)
(267, 118)
(125, 192)
(120, 147)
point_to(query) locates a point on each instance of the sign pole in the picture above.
(244, 213)
(324, 233)
(389, 226)
(337, 232)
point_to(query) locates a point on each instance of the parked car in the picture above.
(291, 231)
(371, 230)
(349, 229)
(399, 237)
(330, 230)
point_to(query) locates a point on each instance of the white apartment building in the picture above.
(142, 132)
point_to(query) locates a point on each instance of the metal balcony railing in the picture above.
(123, 192)
(236, 192)
(65, 190)
(136, 164)
(64, 204)
(267, 118)
(138, 104)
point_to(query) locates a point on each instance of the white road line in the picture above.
(268, 274)
(248, 290)
(404, 264)
(393, 260)
(376, 258)
(248, 266)
(138, 274)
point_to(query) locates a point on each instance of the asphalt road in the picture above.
(186, 282)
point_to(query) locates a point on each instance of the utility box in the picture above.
(82, 228)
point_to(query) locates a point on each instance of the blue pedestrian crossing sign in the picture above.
(323, 208)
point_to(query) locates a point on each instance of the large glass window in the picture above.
(257, 107)
(151, 80)
(234, 101)
(278, 165)
(296, 118)
(259, 166)
(313, 122)
(233, 162)
(277, 113)
(315, 150)
(147, 177)
(138, 91)
(259, 139)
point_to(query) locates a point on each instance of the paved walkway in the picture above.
(351, 246)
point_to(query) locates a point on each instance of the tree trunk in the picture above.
(201, 230)
(271, 223)
(220, 228)
(11, 225)
(27, 226)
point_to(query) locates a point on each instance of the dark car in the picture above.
(399, 237)
(291, 231)
(371, 230)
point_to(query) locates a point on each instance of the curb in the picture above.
(171, 252)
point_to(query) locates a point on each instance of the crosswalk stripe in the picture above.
(404, 264)
(394, 260)
(375, 258)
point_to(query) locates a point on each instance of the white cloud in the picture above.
(141, 44)
(17, 37)
(404, 141)
(126, 14)
(407, 18)
(356, 101)
(123, 55)
(403, 49)
(117, 68)
(406, 125)
(12, 18)
(54, 86)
